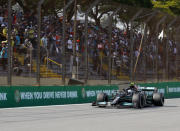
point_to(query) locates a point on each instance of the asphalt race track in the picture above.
(87, 118)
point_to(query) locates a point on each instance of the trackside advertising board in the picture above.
(20, 96)
(170, 89)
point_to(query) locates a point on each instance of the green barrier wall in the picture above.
(170, 89)
(20, 96)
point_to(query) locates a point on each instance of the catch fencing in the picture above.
(143, 47)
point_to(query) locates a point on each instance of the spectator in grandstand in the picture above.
(44, 41)
(1, 19)
(70, 44)
(17, 67)
(17, 42)
(4, 31)
(3, 55)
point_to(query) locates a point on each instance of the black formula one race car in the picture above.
(131, 97)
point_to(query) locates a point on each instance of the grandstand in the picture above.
(25, 41)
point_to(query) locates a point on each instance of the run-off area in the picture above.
(84, 117)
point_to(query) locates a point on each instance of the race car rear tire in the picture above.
(138, 100)
(158, 99)
(143, 100)
(102, 97)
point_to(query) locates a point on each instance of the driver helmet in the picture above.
(132, 84)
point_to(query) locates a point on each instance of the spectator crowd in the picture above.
(24, 40)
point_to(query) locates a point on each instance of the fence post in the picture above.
(110, 54)
(86, 36)
(74, 67)
(157, 52)
(177, 55)
(132, 44)
(145, 41)
(30, 53)
(167, 46)
(110, 44)
(39, 41)
(9, 79)
(63, 42)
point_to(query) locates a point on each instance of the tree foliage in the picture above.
(139, 3)
(131, 7)
(170, 6)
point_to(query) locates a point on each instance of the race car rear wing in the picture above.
(147, 88)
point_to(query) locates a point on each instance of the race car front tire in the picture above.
(102, 97)
(158, 99)
(138, 100)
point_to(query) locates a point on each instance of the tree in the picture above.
(30, 6)
(170, 6)
(108, 6)
(139, 3)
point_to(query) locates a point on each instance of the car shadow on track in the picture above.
(130, 107)
(115, 107)
(171, 106)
